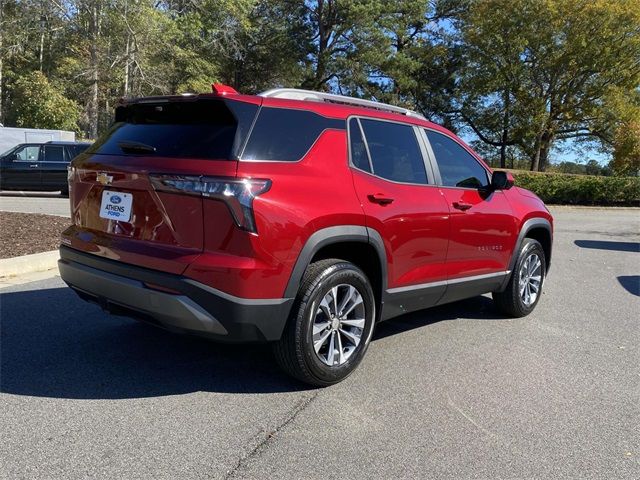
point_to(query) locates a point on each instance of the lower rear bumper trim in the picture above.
(196, 308)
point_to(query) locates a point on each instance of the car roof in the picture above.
(60, 142)
(51, 142)
(325, 108)
(332, 109)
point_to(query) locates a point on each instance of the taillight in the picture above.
(236, 193)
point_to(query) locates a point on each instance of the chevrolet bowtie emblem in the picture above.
(104, 179)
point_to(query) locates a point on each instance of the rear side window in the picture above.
(204, 129)
(458, 168)
(395, 153)
(281, 134)
(359, 156)
(53, 154)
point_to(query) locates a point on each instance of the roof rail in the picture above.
(299, 94)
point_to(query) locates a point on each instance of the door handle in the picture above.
(33, 166)
(462, 206)
(380, 198)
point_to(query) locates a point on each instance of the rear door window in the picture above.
(202, 129)
(286, 135)
(53, 153)
(395, 152)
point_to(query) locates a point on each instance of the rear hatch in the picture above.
(119, 207)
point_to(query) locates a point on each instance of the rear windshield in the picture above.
(75, 150)
(204, 129)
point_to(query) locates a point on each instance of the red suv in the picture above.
(294, 217)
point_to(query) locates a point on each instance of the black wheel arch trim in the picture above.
(537, 222)
(330, 236)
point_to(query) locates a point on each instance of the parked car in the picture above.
(294, 217)
(38, 166)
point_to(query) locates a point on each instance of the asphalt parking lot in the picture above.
(454, 392)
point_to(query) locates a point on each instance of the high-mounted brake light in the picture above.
(221, 89)
(236, 193)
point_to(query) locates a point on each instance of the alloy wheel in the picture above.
(338, 324)
(530, 279)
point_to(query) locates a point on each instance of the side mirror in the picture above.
(501, 180)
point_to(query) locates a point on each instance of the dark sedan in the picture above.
(38, 166)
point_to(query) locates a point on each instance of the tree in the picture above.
(2, 53)
(404, 57)
(620, 122)
(556, 62)
(206, 35)
(39, 104)
(626, 153)
(577, 53)
(490, 97)
(334, 36)
(13, 43)
(274, 50)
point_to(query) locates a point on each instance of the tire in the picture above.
(64, 192)
(295, 351)
(512, 301)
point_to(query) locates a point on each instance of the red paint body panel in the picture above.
(482, 237)
(414, 228)
(166, 230)
(305, 196)
(526, 205)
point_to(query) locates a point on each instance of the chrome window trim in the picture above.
(366, 147)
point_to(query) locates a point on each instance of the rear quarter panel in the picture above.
(305, 196)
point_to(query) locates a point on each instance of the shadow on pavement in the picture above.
(631, 284)
(52, 344)
(609, 245)
(476, 308)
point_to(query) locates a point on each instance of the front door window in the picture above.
(28, 154)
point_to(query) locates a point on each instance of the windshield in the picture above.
(4, 154)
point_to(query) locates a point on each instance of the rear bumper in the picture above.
(194, 308)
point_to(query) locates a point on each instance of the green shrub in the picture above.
(560, 188)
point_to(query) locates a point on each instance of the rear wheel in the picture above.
(330, 325)
(525, 285)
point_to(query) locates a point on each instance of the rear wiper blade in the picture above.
(136, 147)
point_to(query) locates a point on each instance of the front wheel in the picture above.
(330, 325)
(524, 289)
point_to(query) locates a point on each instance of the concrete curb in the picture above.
(590, 207)
(36, 262)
